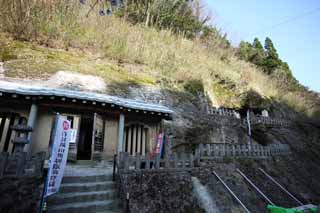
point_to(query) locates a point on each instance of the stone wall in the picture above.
(157, 192)
(20, 194)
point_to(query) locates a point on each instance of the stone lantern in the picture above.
(21, 137)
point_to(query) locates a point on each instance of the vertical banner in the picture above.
(158, 147)
(163, 144)
(59, 154)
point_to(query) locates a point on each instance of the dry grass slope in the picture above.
(118, 51)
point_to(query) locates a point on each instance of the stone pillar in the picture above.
(120, 134)
(31, 123)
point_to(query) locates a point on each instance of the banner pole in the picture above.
(44, 191)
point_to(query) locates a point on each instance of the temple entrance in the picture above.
(87, 137)
(84, 147)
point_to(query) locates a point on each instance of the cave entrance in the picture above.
(255, 111)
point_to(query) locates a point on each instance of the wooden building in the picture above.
(103, 125)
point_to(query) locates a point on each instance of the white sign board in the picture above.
(73, 135)
(59, 155)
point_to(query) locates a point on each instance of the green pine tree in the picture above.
(245, 51)
(258, 55)
(272, 60)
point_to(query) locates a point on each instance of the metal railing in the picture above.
(231, 192)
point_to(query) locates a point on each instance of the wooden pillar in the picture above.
(5, 130)
(125, 142)
(31, 123)
(134, 140)
(144, 140)
(139, 129)
(8, 135)
(129, 140)
(120, 133)
(2, 124)
(12, 136)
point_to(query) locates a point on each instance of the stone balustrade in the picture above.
(267, 121)
(145, 162)
(223, 112)
(221, 150)
(204, 152)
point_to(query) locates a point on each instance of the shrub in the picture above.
(26, 20)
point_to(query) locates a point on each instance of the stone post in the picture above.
(157, 161)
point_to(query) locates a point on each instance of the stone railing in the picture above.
(267, 121)
(19, 165)
(127, 163)
(173, 162)
(221, 150)
(223, 112)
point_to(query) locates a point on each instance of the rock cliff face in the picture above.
(158, 192)
(298, 172)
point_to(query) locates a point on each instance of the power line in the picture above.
(310, 12)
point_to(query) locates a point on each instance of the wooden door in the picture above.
(97, 137)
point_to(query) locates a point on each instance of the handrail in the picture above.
(230, 191)
(280, 186)
(255, 187)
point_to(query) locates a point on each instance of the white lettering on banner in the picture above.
(59, 156)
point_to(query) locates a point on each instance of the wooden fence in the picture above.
(221, 150)
(19, 164)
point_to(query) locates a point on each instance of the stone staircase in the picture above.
(86, 189)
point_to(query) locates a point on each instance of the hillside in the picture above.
(126, 54)
(210, 86)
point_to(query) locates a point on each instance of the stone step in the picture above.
(86, 207)
(86, 179)
(86, 187)
(65, 198)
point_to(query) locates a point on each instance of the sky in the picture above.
(292, 25)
